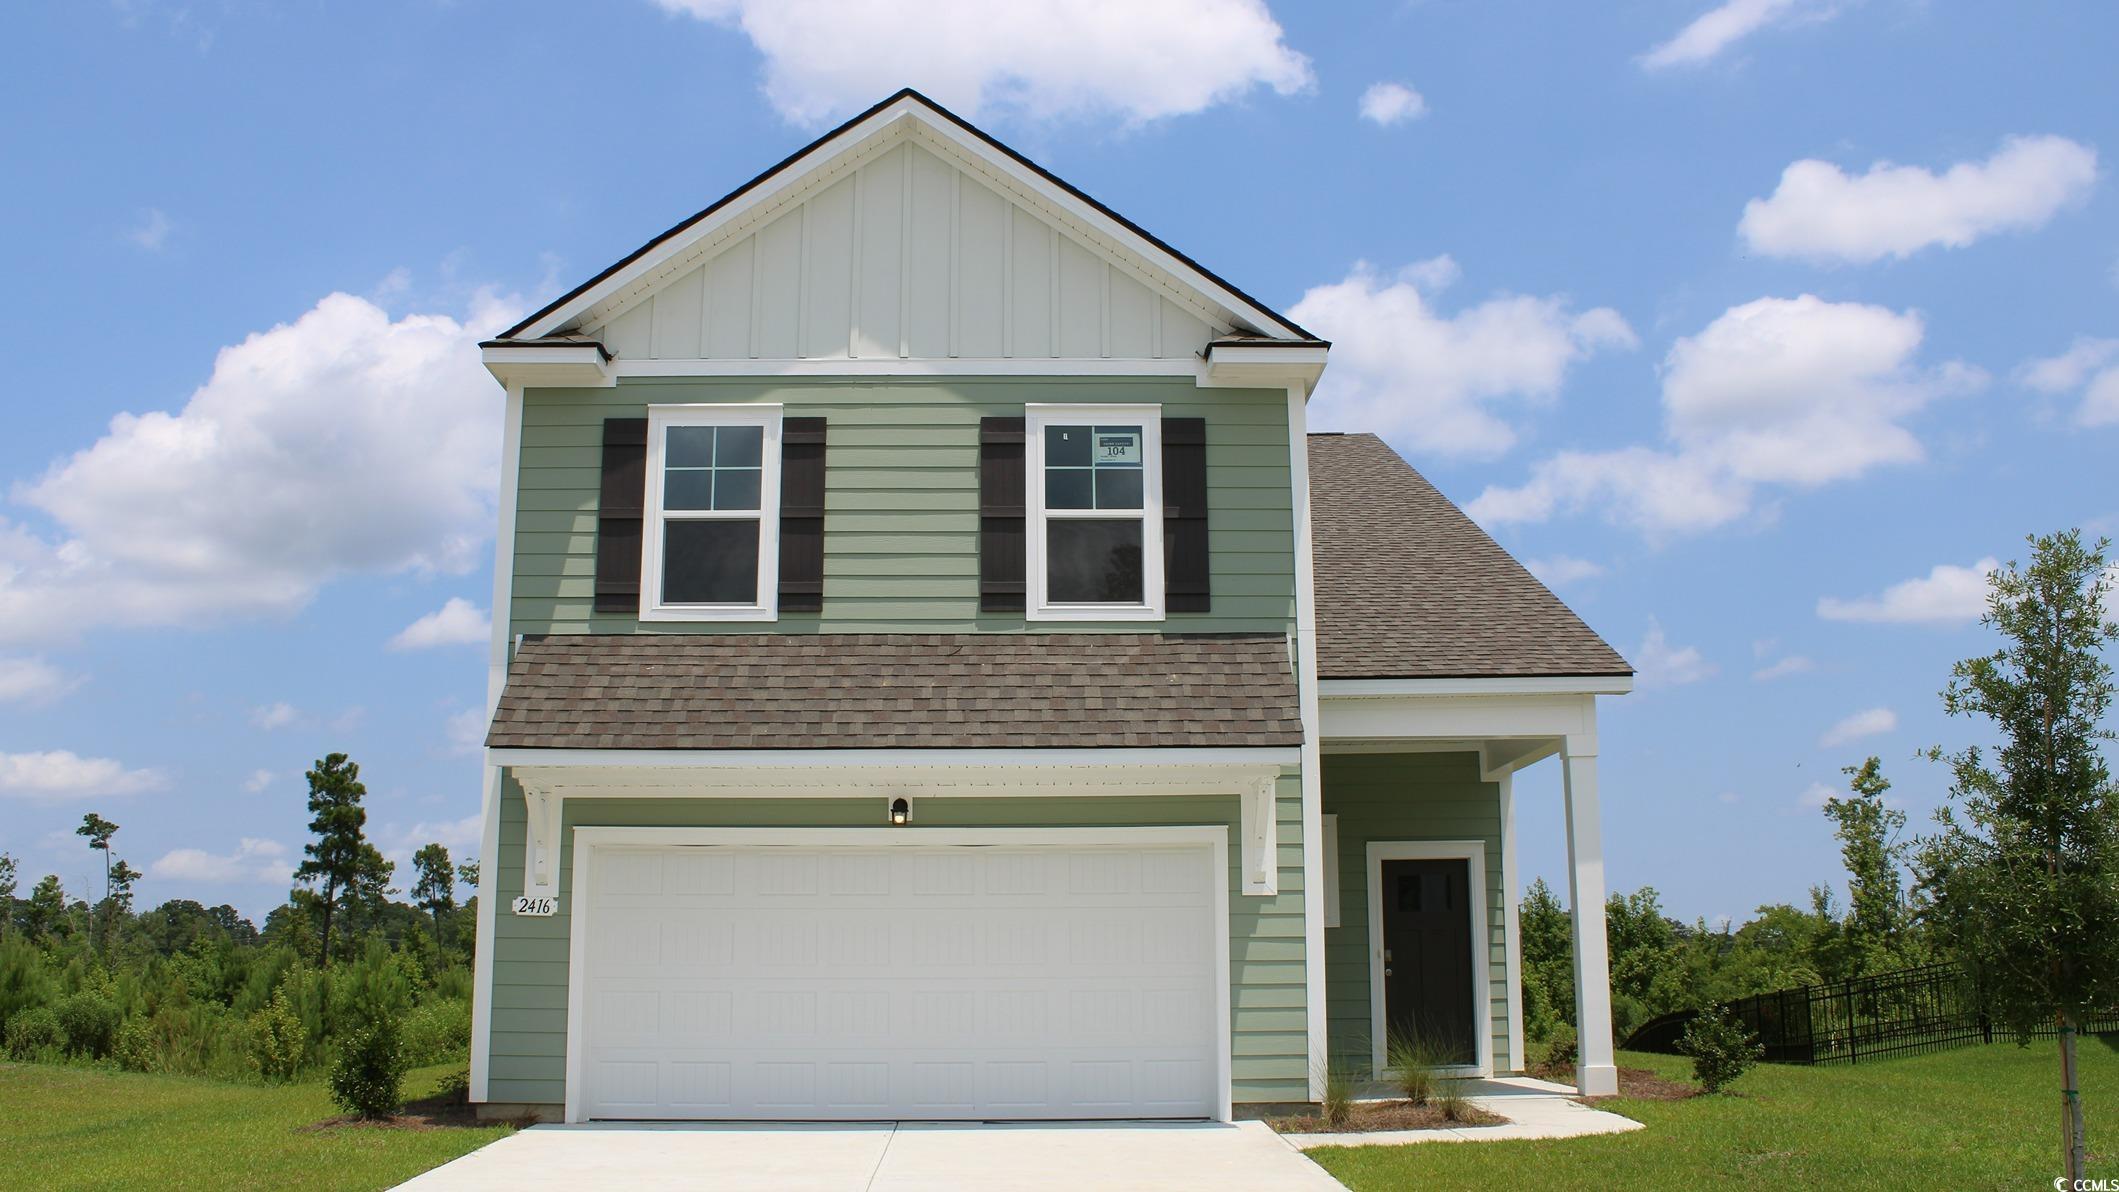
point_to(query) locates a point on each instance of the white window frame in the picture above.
(766, 607)
(1036, 417)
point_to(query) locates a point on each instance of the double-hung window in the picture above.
(713, 514)
(1095, 512)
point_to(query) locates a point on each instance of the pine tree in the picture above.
(435, 888)
(1873, 930)
(340, 857)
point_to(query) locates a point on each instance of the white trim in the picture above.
(1523, 685)
(490, 784)
(1038, 417)
(908, 367)
(1329, 871)
(1511, 937)
(767, 418)
(1262, 366)
(1473, 852)
(1315, 1025)
(877, 134)
(887, 758)
(573, 365)
(587, 839)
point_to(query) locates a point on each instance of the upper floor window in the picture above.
(713, 513)
(1095, 510)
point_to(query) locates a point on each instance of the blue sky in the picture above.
(1627, 279)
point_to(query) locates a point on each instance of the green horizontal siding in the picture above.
(901, 499)
(1412, 796)
(1266, 962)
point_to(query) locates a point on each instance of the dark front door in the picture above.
(1427, 955)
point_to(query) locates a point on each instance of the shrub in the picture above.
(90, 1023)
(1720, 1047)
(1339, 1081)
(1449, 1099)
(23, 978)
(277, 1041)
(1561, 1053)
(437, 1031)
(1413, 1059)
(368, 1076)
(34, 1034)
(135, 1046)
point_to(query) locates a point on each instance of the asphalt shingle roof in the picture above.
(1409, 587)
(910, 691)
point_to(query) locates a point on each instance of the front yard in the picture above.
(63, 1127)
(1980, 1117)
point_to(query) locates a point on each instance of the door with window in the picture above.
(1427, 955)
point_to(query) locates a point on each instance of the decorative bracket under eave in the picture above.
(540, 842)
(1261, 835)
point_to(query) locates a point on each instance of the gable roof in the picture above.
(898, 691)
(1409, 587)
(881, 125)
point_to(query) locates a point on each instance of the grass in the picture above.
(66, 1127)
(1978, 1117)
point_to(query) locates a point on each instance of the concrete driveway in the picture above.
(882, 1157)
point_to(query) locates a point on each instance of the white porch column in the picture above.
(1596, 1073)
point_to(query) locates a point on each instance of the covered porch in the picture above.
(1421, 885)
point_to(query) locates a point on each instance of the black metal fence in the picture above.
(1846, 1022)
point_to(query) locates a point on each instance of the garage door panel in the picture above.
(992, 981)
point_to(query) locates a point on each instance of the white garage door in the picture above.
(901, 981)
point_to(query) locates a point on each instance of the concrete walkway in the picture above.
(635, 1157)
(1534, 1109)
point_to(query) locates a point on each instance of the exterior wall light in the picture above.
(900, 812)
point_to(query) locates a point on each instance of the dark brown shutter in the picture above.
(1185, 585)
(1002, 549)
(802, 515)
(618, 515)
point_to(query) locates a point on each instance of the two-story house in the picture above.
(937, 675)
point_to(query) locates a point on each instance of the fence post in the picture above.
(1853, 1043)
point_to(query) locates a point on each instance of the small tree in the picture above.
(1868, 832)
(1720, 1047)
(2025, 869)
(1547, 935)
(8, 879)
(340, 855)
(121, 880)
(44, 908)
(435, 888)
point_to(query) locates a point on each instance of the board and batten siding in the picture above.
(1267, 1015)
(1405, 796)
(906, 257)
(901, 502)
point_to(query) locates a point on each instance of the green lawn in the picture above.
(64, 1127)
(1979, 1117)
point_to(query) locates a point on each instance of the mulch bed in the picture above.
(442, 1111)
(1368, 1116)
(1638, 1083)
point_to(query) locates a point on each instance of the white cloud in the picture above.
(1657, 663)
(253, 860)
(33, 679)
(1869, 722)
(467, 730)
(275, 715)
(1792, 392)
(1721, 27)
(1385, 104)
(1403, 368)
(152, 232)
(461, 837)
(1793, 664)
(1560, 570)
(1043, 58)
(1816, 794)
(2090, 365)
(258, 781)
(342, 443)
(1821, 213)
(1946, 595)
(60, 774)
(456, 623)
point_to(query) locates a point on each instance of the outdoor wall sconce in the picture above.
(900, 812)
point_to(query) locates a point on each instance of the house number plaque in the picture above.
(536, 906)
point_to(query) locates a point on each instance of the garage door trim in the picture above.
(1213, 837)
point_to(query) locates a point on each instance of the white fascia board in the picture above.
(895, 366)
(549, 365)
(1265, 366)
(885, 759)
(1523, 685)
